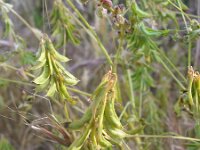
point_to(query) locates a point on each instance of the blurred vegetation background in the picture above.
(156, 94)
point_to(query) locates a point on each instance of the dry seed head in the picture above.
(190, 72)
(107, 4)
(101, 12)
(118, 9)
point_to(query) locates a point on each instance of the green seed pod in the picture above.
(190, 82)
(110, 114)
(44, 76)
(116, 133)
(77, 144)
(138, 12)
(38, 65)
(52, 90)
(104, 143)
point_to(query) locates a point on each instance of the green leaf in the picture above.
(27, 58)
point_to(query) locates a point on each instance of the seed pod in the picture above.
(110, 114)
(52, 89)
(77, 144)
(138, 12)
(101, 12)
(44, 76)
(190, 82)
(104, 143)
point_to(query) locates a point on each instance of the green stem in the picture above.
(179, 9)
(140, 101)
(167, 136)
(171, 73)
(92, 31)
(79, 92)
(16, 81)
(167, 60)
(189, 51)
(131, 88)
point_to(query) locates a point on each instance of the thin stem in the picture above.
(140, 97)
(118, 53)
(131, 88)
(179, 9)
(173, 66)
(79, 91)
(189, 51)
(124, 110)
(189, 44)
(182, 13)
(16, 81)
(167, 136)
(92, 31)
(171, 73)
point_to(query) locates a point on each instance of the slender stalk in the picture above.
(167, 136)
(92, 31)
(167, 60)
(79, 91)
(189, 51)
(189, 41)
(140, 98)
(131, 88)
(171, 73)
(16, 81)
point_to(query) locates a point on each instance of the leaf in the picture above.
(27, 58)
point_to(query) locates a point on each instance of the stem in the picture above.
(92, 31)
(131, 88)
(16, 81)
(179, 9)
(79, 92)
(189, 51)
(167, 136)
(168, 60)
(171, 73)
(190, 43)
(140, 99)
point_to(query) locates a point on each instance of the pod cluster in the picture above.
(194, 88)
(101, 126)
(53, 76)
(189, 100)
